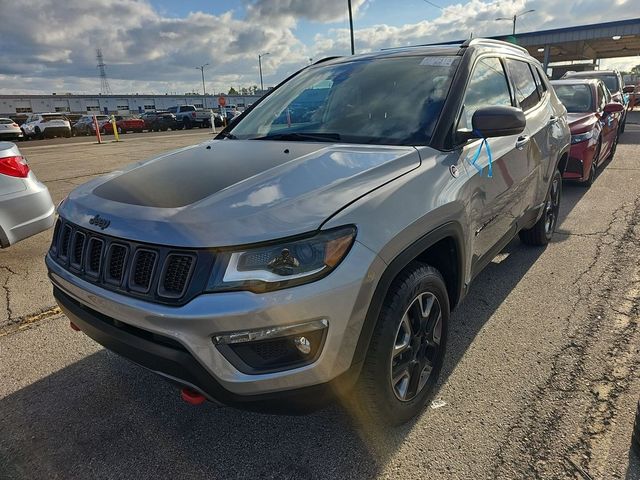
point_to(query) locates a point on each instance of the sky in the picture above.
(154, 46)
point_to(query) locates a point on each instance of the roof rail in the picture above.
(491, 42)
(433, 45)
(326, 59)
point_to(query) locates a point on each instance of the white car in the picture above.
(42, 125)
(9, 130)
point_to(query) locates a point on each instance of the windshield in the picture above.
(6, 121)
(393, 100)
(576, 98)
(609, 79)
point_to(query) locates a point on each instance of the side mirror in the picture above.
(628, 88)
(499, 121)
(613, 107)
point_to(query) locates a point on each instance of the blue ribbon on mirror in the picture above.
(484, 143)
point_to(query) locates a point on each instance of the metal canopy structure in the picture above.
(584, 42)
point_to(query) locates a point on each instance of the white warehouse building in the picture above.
(20, 105)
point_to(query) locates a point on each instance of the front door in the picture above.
(491, 187)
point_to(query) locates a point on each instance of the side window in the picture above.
(540, 81)
(607, 93)
(525, 86)
(487, 87)
(602, 96)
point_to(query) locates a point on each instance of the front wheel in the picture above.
(407, 349)
(540, 234)
(592, 171)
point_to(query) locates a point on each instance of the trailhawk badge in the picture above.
(100, 222)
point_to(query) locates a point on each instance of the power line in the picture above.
(433, 4)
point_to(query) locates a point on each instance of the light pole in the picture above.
(260, 67)
(514, 18)
(353, 50)
(204, 92)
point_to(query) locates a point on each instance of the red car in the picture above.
(593, 120)
(124, 125)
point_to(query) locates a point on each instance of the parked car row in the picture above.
(46, 125)
(596, 102)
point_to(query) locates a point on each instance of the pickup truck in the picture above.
(188, 116)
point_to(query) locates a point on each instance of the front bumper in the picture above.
(579, 162)
(177, 342)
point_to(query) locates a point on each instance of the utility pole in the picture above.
(104, 83)
(353, 50)
(514, 18)
(204, 91)
(260, 55)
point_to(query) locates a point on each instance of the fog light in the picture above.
(303, 345)
(273, 349)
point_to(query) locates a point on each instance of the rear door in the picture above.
(532, 96)
(490, 210)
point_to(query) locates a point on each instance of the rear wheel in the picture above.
(407, 349)
(541, 233)
(187, 124)
(39, 134)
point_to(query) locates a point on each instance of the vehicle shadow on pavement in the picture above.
(103, 417)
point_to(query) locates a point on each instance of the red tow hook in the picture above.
(73, 326)
(192, 397)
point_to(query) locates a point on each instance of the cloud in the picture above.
(318, 11)
(49, 45)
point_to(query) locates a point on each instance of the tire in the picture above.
(635, 439)
(540, 234)
(187, 124)
(614, 147)
(593, 170)
(121, 130)
(67, 134)
(380, 396)
(38, 134)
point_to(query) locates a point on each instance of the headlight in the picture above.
(581, 137)
(283, 263)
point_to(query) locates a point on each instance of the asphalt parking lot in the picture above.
(541, 377)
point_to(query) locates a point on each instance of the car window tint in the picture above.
(487, 87)
(6, 121)
(602, 95)
(524, 84)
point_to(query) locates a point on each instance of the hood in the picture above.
(581, 122)
(233, 192)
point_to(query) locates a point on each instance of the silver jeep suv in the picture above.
(317, 246)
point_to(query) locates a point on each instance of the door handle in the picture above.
(522, 141)
(553, 119)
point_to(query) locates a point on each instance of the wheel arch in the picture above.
(442, 248)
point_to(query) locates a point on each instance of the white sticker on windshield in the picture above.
(438, 61)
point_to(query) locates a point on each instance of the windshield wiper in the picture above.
(302, 136)
(228, 135)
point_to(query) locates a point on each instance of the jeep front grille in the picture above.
(156, 273)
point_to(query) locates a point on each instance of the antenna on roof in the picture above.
(104, 83)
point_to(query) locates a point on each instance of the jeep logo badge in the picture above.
(100, 222)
